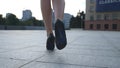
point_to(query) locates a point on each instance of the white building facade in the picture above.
(27, 14)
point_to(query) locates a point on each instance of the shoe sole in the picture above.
(60, 34)
(50, 43)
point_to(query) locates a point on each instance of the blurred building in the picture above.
(27, 14)
(102, 14)
(66, 20)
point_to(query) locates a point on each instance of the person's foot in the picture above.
(50, 42)
(60, 34)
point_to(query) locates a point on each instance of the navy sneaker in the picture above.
(50, 42)
(60, 34)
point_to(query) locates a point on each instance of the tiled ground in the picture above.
(85, 49)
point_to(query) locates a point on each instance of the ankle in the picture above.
(49, 34)
(59, 20)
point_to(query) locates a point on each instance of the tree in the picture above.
(32, 22)
(27, 22)
(37, 22)
(11, 19)
(75, 22)
(82, 16)
(2, 20)
(72, 20)
(78, 21)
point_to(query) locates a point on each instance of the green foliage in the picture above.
(12, 20)
(78, 21)
(2, 20)
(32, 22)
(26, 23)
(75, 22)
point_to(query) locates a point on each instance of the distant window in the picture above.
(106, 26)
(98, 17)
(98, 26)
(106, 17)
(91, 8)
(91, 26)
(115, 16)
(114, 26)
(91, 18)
(92, 1)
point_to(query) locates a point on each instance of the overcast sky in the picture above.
(17, 6)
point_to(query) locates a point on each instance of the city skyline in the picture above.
(17, 6)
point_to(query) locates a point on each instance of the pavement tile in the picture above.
(22, 54)
(10, 63)
(108, 53)
(54, 65)
(86, 60)
(85, 49)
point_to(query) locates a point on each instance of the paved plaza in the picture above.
(85, 49)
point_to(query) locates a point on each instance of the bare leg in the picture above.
(58, 6)
(47, 15)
